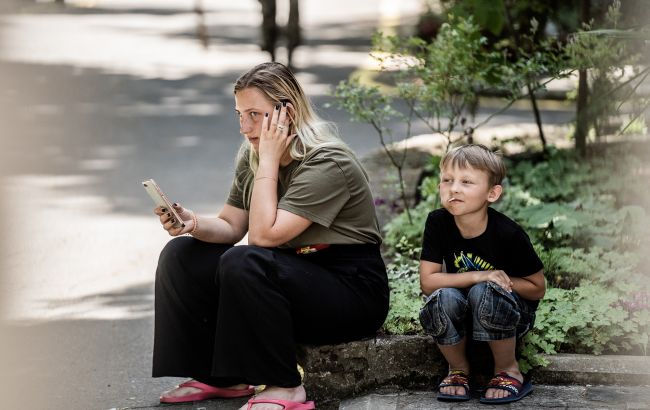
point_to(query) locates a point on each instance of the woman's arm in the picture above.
(270, 226)
(228, 227)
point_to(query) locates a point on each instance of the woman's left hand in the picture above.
(275, 138)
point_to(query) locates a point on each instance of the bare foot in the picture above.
(455, 377)
(453, 390)
(500, 393)
(293, 394)
(179, 391)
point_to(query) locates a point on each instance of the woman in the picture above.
(230, 316)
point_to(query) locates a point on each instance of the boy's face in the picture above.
(465, 191)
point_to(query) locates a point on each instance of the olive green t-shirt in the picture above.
(330, 188)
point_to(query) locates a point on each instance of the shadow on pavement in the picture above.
(118, 130)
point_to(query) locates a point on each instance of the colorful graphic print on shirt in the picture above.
(468, 262)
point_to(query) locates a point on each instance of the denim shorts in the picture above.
(486, 310)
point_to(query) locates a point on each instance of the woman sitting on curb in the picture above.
(230, 316)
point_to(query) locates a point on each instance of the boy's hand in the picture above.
(499, 277)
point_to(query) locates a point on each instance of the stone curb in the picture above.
(592, 369)
(404, 362)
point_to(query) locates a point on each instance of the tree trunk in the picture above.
(582, 118)
(538, 117)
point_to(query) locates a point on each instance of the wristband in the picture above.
(258, 178)
(196, 224)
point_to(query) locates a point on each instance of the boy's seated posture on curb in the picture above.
(493, 278)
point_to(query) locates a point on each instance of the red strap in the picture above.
(303, 250)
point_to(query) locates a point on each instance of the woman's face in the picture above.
(250, 106)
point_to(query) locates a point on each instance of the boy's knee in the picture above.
(495, 308)
(442, 307)
(476, 292)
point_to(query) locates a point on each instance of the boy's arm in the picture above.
(432, 278)
(531, 287)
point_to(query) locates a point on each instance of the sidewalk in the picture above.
(544, 396)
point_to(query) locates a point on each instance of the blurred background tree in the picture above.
(506, 23)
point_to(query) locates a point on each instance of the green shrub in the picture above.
(587, 319)
(406, 300)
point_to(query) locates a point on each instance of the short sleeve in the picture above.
(318, 191)
(523, 260)
(431, 239)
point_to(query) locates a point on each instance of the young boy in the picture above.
(493, 278)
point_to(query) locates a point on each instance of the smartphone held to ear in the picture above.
(160, 199)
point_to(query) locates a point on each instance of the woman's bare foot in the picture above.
(292, 394)
(181, 391)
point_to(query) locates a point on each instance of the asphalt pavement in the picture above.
(96, 97)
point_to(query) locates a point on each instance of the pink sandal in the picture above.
(207, 392)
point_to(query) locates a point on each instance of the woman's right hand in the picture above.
(167, 219)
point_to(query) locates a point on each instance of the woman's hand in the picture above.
(275, 138)
(167, 219)
(497, 276)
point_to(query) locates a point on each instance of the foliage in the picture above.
(403, 235)
(587, 228)
(567, 267)
(610, 56)
(438, 83)
(405, 301)
(588, 319)
(567, 201)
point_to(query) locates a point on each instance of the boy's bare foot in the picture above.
(460, 379)
(297, 394)
(500, 393)
(453, 390)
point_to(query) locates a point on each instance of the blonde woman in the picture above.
(230, 316)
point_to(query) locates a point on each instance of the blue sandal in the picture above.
(510, 384)
(454, 378)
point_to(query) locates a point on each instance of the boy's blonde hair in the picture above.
(479, 157)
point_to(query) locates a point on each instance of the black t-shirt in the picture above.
(504, 246)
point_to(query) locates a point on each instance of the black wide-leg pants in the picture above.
(233, 314)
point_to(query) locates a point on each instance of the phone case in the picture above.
(160, 199)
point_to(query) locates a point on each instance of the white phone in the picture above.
(160, 199)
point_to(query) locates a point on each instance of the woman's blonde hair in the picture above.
(279, 85)
(479, 157)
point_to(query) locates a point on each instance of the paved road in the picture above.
(94, 99)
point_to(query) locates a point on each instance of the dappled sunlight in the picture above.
(166, 109)
(149, 46)
(70, 257)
